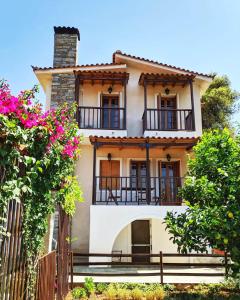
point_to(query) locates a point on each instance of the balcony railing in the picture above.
(136, 191)
(112, 118)
(168, 119)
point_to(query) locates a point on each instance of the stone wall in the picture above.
(65, 54)
(65, 50)
(63, 89)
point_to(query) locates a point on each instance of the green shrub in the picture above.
(79, 293)
(149, 295)
(110, 293)
(169, 287)
(159, 293)
(89, 285)
(101, 287)
(137, 294)
(123, 294)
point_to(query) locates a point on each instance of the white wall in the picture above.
(106, 222)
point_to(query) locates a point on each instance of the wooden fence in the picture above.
(162, 268)
(46, 285)
(53, 269)
(12, 255)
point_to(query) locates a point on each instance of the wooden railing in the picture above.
(112, 118)
(157, 265)
(168, 120)
(137, 191)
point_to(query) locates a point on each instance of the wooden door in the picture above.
(141, 243)
(109, 174)
(167, 117)
(138, 173)
(169, 181)
(110, 116)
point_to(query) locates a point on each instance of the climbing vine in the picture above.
(37, 154)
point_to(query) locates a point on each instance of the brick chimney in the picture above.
(65, 55)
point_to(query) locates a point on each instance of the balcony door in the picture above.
(138, 172)
(167, 117)
(110, 117)
(141, 243)
(109, 174)
(169, 181)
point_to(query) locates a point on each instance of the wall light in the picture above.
(167, 91)
(168, 157)
(110, 89)
(109, 156)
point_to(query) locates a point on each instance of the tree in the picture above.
(37, 158)
(218, 103)
(212, 194)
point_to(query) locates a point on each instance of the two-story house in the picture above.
(140, 119)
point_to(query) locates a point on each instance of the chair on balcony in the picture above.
(111, 197)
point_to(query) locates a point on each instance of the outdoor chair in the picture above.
(111, 197)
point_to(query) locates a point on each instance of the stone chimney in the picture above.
(65, 55)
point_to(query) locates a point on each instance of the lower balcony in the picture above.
(137, 190)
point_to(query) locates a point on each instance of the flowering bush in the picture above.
(37, 154)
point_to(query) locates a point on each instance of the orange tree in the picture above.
(212, 194)
(37, 154)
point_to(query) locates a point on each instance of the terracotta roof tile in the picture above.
(35, 68)
(158, 63)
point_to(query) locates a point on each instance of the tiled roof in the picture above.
(140, 137)
(77, 66)
(152, 77)
(167, 139)
(66, 30)
(157, 63)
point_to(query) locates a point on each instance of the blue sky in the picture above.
(202, 35)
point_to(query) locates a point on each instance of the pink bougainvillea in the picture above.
(57, 123)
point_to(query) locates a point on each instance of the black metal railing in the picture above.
(138, 191)
(168, 119)
(112, 118)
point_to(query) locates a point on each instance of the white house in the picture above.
(140, 119)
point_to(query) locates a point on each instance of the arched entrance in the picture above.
(109, 222)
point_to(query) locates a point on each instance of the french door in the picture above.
(167, 117)
(138, 173)
(170, 181)
(110, 112)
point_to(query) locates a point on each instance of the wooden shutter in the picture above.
(109, 169)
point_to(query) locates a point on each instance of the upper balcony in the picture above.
(108, 117)
(168, 120)
(169, 114)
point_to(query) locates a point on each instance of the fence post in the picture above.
(71, 268)
(161, 267)
(226, 263)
